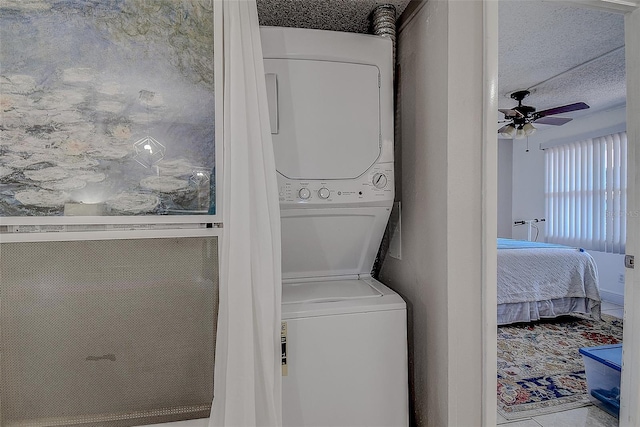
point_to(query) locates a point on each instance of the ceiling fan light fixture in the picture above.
(509, 131)
(522, 116)
(528, 129)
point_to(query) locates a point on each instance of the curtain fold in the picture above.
(247, 382)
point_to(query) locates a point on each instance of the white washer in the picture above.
(331, 116)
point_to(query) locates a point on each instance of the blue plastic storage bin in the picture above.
(603, 365)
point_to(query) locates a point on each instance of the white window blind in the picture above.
(586, 193)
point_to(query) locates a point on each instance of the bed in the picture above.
(541, 280)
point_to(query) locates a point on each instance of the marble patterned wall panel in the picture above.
(106, 107)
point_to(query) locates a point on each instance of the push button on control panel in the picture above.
(323, 193)
(304, 193)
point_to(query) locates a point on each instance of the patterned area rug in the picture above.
(539, 367)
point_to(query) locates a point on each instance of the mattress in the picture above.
(538, 280)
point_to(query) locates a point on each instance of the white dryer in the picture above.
(344, 333)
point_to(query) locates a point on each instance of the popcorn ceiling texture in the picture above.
(539, 40)
(337, 15)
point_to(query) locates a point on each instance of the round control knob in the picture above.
(304, 193)
(379, 180)
(323, 193)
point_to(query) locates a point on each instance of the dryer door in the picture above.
(325, 117)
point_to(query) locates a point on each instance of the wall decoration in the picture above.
(108, 103)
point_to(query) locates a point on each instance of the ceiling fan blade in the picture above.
(556, 121)
(510, 113)
(564, 109)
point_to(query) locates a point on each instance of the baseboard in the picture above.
(612, 297)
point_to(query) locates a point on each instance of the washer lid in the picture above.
(326, 297)
(324, 116)
(327, 291)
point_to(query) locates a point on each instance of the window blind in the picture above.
(586, 193)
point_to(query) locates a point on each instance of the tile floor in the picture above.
(590, 416)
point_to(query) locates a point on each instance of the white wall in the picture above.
(440, 167)
(528, 187)
(610, 275)
(505, 187)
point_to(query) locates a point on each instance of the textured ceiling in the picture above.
(338, 15)
(563, 54)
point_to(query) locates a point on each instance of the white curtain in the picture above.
(586, 193)
(247, 382)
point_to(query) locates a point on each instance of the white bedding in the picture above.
(546, 282)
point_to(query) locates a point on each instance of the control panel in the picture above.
(375, 185)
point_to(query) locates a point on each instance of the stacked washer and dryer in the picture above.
(344, 333)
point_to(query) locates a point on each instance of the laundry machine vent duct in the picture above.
(383, 22)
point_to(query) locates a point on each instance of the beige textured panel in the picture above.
(108, 333)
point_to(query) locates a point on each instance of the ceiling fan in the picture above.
(522, 116)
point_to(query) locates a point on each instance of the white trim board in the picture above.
(612, 297)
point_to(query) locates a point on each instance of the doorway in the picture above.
(630, 376)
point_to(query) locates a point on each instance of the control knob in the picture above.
(304, 193)
(323, 193)
(379, 180)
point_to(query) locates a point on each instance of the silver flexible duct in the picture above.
(383, 22)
